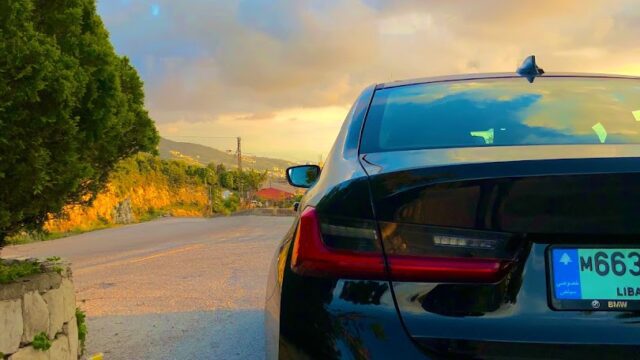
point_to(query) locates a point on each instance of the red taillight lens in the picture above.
(447, 257)
(312, 257)
(426, 253)
(414, 268)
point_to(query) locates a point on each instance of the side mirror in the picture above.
(303, 176)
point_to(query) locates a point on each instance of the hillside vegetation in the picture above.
(70, 109)
(203, 155)
(144, 187)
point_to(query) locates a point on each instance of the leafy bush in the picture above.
(156, 187)
(41, 342)
(153, 187)
(81, 318)
(231, 204)
(14, 270)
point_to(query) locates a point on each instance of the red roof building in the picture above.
(273, 194)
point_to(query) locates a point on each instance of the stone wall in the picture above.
(35, 304)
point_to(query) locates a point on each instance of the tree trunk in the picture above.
(2, 241)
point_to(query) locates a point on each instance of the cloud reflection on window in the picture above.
(550, 111)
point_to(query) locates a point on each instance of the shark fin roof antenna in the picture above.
(529, 69)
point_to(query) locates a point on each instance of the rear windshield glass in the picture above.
(500, 112)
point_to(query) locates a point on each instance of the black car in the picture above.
(482, 216)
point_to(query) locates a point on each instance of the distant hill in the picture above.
(201, 154)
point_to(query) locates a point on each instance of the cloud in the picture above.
(257, 67)
(203, 60)
(405, 24)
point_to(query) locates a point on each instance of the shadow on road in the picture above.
(220, 334)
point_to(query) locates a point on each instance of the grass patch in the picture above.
(36, 236)
(12, 271)
(41, 342)
(54, 263)
(81, 318)
(151, 214)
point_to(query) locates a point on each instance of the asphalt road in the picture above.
(175, 288)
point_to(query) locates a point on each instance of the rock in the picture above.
(122, 214)
(69, 298)
(60, 348)
(71, 329)
(55, 304)
(29, 353)
(37, 282)
(35, 316)
(11, 325)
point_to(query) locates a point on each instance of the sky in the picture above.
(283, 74)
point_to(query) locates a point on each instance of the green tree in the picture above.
(220, 168)
(70, 109)
(227, 180)
(250, 179)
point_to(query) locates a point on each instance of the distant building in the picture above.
(283, 186)
(271, 194)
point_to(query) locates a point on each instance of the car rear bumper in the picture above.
(479, 349)
(335, 319)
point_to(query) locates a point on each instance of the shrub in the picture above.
(82, 328)
(41, 342)
(12, 271)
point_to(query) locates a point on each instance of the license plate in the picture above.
(602, 279)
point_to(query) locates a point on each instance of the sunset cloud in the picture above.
(236, 68)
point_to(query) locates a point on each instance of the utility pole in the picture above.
(209, 193)
(239, 153)
(240, 187)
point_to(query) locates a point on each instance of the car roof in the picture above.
(470, 77)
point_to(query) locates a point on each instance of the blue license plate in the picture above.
(589, 278)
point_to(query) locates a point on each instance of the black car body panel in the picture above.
(537, 196)
(572, 196)
(512, 319)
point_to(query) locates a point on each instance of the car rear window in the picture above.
(499, 112)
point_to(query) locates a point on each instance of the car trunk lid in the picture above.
(447, 209)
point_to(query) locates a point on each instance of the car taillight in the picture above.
(349, 248)
(428, 253)
(312, 257)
